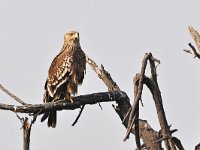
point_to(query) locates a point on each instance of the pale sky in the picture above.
(115, 33)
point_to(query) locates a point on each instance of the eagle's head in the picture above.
(72, 37)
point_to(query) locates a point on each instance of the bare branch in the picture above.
(196, 37)
(12, 95)
(103, 75)
(136, 122)
(76, 120)
(165, 128)
(123, 109)
(194, 52)
(137, 97)
(178, 143)
(26, 126)
(62, 104)
(189, 51)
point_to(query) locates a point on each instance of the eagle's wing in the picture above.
(59, 71)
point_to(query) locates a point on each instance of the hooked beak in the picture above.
(76, 36)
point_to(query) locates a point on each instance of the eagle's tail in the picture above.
(52, 117)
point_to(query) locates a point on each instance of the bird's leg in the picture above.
(70, 98)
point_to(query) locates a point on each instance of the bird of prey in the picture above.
(66, 72)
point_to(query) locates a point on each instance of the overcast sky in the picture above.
(115, 33)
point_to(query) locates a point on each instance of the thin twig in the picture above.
(196, 37)
(76, 120)
(127, 114)
(194, 50)
(100, 106)
(162, 139)
(103, 75)
(35, 116)
(12, 95)
(21, 119)
(129, 129)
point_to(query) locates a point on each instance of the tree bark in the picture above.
(26, 133)
(63, 104)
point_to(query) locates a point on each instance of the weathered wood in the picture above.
(147, 134)
(196, 37)
(63, 104)
(26, 133)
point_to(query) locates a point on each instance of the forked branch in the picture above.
(165, 134)
(123, 110)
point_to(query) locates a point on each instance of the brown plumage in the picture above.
(65, 74)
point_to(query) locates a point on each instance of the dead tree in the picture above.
(129, 114)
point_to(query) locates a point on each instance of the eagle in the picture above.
(65, 74)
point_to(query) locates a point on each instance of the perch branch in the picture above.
(62, 104)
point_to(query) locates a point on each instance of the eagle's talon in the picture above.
(71, 99)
